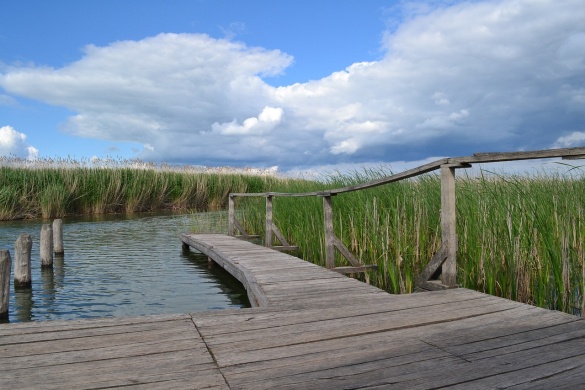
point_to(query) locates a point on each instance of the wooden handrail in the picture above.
(462, 162)
(448, 251)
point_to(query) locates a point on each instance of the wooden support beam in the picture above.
(345, 252)
(285, 248)
(436, 262)
(279, 235)
(448, 226)
(355, 270)
(268, 234)
(329, 233)
(231, 215)
(5, 268)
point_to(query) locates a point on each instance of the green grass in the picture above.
(51, 189)
(520, 237)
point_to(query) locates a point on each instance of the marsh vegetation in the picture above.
(520, 237)
(59, 188)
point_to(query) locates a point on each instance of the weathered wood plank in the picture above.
(315, 329)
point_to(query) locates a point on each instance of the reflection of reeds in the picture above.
(520, 237)
(56, 188)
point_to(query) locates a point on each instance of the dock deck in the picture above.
(311, 328)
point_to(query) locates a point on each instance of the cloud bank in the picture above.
(13, 144)
(470, 77)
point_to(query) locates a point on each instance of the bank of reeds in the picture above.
(520, 237)
(51, 189)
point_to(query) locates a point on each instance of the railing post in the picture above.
(329, 233)
(268, 237)
(448, 225)
(231, 215)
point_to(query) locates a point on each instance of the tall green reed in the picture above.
(520, 237)
(51, 189)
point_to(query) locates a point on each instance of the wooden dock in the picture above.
(311, 328)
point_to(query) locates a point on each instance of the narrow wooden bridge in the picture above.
(311, 327)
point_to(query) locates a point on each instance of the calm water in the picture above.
(119, 266)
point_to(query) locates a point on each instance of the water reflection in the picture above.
(115, 266)
(23, 305)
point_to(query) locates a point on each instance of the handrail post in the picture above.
(448, 225)
(268, 237)
(329, 232)
(231, 215)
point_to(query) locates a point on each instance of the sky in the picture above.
(299, 85)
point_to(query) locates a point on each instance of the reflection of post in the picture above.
(58, 236)
(22, 251)
(5, 268)
(46, 246)
(48, 283)
(59, 268)
(24, 304)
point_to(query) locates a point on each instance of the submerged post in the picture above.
(268, 236)
(448, 225)
(46, 246)
(329, 232)
(5, 268)
(22, 250)
(231, 215)
(58, 237)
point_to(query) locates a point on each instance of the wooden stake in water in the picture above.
(58, 236)
(47, 246)
(22, 250)
(5, 268)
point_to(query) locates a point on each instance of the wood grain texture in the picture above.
(22, 259)
(5, 268)
(313, 329)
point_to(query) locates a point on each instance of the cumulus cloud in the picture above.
(576, 138)
(455, 79)
(13, 143)
(268, 119)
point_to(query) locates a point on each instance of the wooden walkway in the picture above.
(312, 328)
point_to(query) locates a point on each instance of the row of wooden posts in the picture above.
(51, 243)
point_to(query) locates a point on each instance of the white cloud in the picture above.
(13, 143)
(455, 79)
(576, 138)
(268, 119)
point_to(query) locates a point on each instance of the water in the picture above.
(119, 266)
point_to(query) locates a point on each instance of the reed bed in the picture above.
(57, 188)
(520, 237)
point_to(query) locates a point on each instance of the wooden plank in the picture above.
(287, 248)
(315, 329)
(355, 270)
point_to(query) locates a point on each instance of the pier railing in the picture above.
(441, 271)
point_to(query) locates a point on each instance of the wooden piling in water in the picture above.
(58, 237)
(22, 251)
(5, 268)
(46, 246)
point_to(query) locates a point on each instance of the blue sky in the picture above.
(302, 85)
